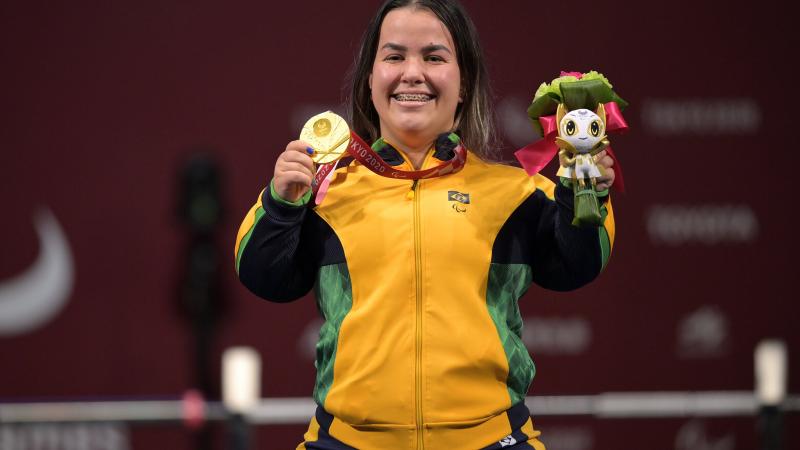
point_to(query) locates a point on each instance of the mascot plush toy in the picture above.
(573, 114)
(581, 136)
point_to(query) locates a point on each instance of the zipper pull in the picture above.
(410, 194)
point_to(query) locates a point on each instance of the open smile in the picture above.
(413, 97)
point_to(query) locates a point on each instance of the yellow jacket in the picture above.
(418, 283)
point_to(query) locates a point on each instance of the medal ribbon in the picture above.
(535, 156)
(364, 154)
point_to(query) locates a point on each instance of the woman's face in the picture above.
(415, 80)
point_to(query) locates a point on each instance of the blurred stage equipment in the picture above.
(243, 365)
(770, 362)
(241, 392)
(200, 211)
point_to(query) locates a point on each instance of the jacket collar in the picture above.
(443, 149)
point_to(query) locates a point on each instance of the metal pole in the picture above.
(239, 436)
(770, 371)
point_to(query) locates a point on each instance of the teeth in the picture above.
(412, 97)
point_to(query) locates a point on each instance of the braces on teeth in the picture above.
(413, 97)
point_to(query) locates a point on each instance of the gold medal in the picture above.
(328, 134)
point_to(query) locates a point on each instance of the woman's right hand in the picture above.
(294, 171)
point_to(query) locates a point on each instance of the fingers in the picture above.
(291, 163)
(294, 171)
(605, 163)
(300, 147)
(298, 152)
(603, 159)
(604, 182)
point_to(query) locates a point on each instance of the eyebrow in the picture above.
(427, 49)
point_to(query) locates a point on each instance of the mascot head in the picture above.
(582, 129)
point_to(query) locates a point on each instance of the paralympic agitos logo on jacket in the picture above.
(458, 200)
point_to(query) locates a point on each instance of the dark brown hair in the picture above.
(474, 119)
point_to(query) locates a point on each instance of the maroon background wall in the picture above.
(102, 101)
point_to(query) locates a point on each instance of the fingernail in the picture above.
(310, 150)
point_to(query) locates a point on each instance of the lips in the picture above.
(413, 97)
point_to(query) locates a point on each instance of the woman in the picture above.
(418, 281)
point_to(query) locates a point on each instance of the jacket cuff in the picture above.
(281, 210)
(302, 201)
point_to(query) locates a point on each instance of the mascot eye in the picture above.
(570, 128)
(594, 128)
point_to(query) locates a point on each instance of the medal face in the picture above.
(328, 134)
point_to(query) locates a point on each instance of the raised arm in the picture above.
(568, 256)
(540, 234)
(563, 256)
(277, 248)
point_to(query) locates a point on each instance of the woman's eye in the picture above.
(393, 58)
(435, 58)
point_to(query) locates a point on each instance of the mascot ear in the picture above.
(601, 112)
(560, 113)
(566, 145)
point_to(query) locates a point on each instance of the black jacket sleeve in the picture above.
(282, 255)
(540, 233)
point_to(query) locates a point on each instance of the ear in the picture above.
(370, 81)
(560, 113)
(601, 112)
(565, 145)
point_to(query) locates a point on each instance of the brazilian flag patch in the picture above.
(455, 196)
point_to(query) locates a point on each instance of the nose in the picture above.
(413, 72)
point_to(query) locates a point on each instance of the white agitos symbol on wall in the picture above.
(35, 296)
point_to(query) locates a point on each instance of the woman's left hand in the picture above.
(604, 161)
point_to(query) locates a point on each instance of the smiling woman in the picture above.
(415, 81)
(432, 29)
(418, 277)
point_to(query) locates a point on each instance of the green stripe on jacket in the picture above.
(605, 241)
(507, 283)
(259, 214)
(334, 298)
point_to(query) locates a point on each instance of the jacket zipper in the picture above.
(418, 344)
(410, 194)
